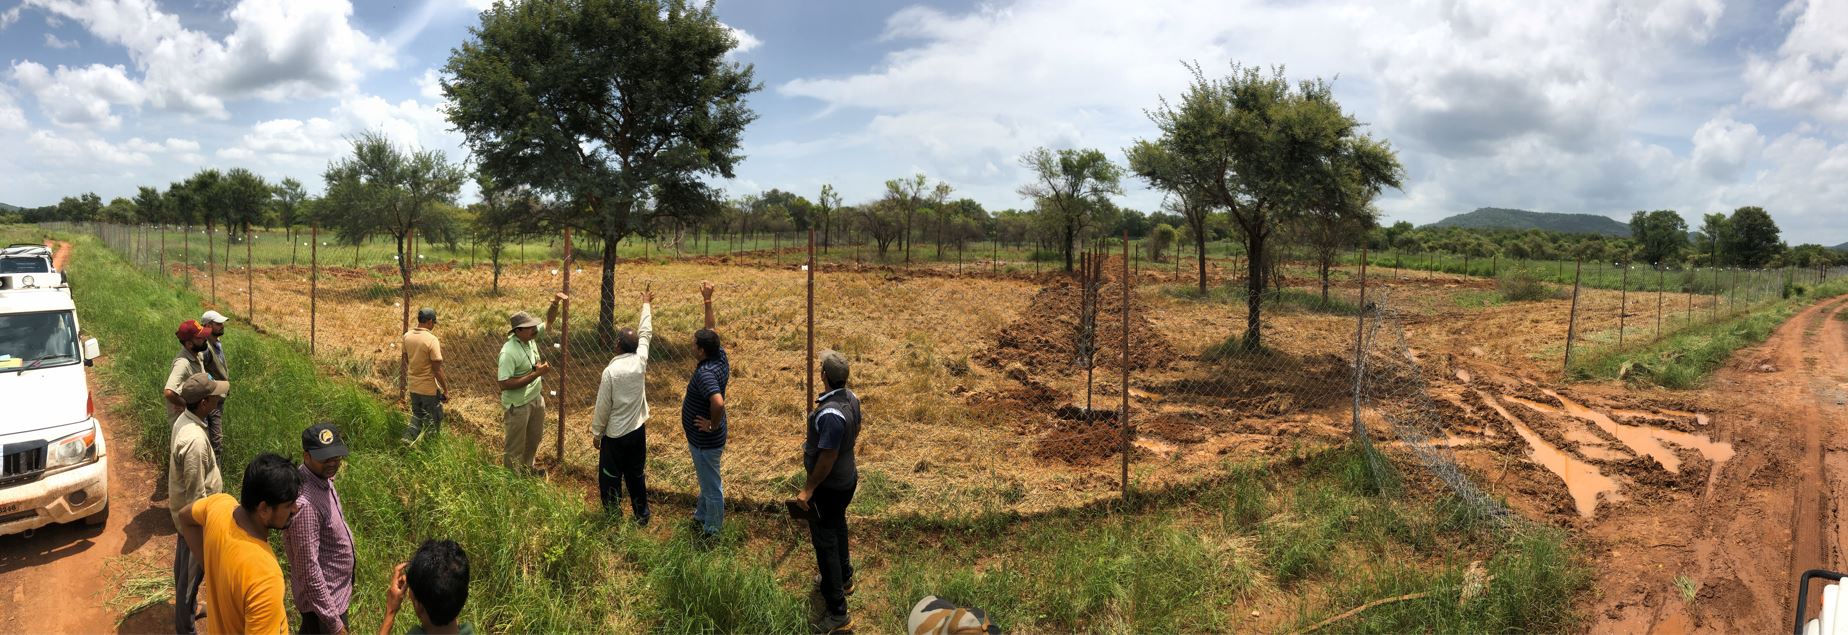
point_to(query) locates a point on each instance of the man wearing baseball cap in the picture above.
(429, 387)
(192, 474)
(827, 454)
(319, 542)
(523, 403)
(214, 357)
(187, 363)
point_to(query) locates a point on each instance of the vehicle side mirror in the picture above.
(91, 350)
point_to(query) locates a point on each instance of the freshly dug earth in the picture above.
(1044, 338)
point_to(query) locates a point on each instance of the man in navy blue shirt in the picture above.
(827, 455)
(702, 416)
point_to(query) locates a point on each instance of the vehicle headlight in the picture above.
(72, 450)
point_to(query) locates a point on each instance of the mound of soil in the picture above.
(1043, 339)
(1075, 441)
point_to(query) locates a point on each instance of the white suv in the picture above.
(53, 461)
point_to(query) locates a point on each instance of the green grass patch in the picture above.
(1284, 300)
(1686, 357)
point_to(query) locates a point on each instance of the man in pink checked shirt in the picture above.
(320, 545)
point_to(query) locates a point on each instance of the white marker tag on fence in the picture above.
(805, 267)
(554, 272)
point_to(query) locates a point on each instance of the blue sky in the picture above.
(1570, 106)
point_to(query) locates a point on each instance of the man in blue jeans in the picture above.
(702, 416)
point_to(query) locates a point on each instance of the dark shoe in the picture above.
(846, 587)
(842, 623)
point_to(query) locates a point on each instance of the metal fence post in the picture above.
(314, 278)
(564, 346)
(1572, 320)
(404, 356)
(250, 281)
(808, 386)
(1661, 283)
(1123, 418)
(1360, 327)
(1624, 309)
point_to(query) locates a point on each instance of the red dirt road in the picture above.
(1727, 560)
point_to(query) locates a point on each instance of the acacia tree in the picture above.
(1662, 234)
(504, 215)
(1072, 188)
(1267, 150)
(382, 188)
(1187, 192)
(244, 196)
(908, 195)
(884, 220)
(287, 201)
(619, 110)
(825, 205)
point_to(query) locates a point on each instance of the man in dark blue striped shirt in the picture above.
(702, 416)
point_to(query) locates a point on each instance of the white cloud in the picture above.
(303, 147)
(11, 117)
(8, 17)
(1809, 72)
(746, 41)
(1723, 146)
(84, 153)
(54, 42)
(276, 50)
(79, 96)
(429, 85)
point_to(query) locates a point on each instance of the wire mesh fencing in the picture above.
(996, 383)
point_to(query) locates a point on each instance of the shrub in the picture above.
(1523, 285)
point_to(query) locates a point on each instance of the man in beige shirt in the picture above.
(188, 362)
(429, 387)
(616, 425)
(192, 474)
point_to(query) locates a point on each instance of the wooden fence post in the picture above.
(1572, 320)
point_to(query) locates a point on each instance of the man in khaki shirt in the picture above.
(192, 474)
(428, 385)
(188, 362)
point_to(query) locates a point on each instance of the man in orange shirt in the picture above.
(243, 581)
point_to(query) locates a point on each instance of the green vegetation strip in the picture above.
(1311, 536)
(1686, 358)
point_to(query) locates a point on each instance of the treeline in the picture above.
(1746, 238)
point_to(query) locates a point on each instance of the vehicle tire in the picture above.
(101, 516)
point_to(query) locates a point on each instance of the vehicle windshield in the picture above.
(37, 340)
(24, 264)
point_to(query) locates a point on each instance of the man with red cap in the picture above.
(187, 363)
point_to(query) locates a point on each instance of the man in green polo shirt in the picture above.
(522, 396)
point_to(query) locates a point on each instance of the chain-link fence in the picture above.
(991, 381)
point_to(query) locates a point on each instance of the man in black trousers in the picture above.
(827, 454)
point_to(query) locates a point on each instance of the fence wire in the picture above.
(968, 358)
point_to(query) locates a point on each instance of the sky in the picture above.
(1603, 107)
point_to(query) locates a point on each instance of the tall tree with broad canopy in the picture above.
(1073, 188)
(1662, 234)
(1751, 239)
(1268, 151)
(620, 110)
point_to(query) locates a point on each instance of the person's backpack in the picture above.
(935, 616)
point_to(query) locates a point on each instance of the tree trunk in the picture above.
(1071, 236)
(1254, 288)
(293, 243)
(606, 300)
(1199, 255)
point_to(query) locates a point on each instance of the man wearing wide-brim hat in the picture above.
(522, 396)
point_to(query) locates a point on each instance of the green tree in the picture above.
(504, 216)
(287, 201)
(621, 110)
(150, 205)
(1160, 239)
(1072, 188)
(825, 205)
(1752, 238)
(385, 189)
(1268, 150)
(1714, 233)
(1187, 191)
(119, 210)
(1662, 234)
(884, 220)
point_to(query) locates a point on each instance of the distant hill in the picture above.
(1841, 247)
(9, 208)
(1519, 219)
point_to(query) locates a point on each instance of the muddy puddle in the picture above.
(1584, 481)
(1650, 438)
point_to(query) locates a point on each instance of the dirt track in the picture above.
(1773, 511)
